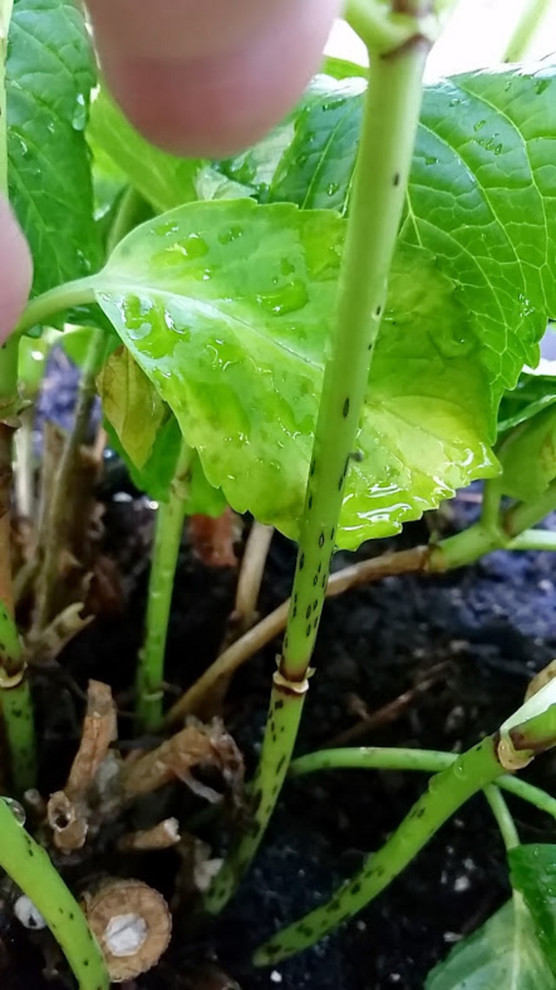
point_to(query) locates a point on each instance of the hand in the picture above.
(198, 77)
(208, 77)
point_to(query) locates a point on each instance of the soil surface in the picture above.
(490, 626)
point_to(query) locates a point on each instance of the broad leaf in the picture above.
(534, 874)
(528, 456)
(163, 179)
(504, 953)
(481, 197)
(227, 307)
(50, 71)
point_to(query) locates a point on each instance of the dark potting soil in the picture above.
(491, 626)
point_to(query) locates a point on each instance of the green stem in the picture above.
(490, 509)
(28, 865)
(446, 792)
(425, 760)
(168, 531)
(534, 539)
(511, 531)
(127, 213)
(527, 27)
(526, 514)
(44, 308)
(17, 708)
(385, 151)
(504, 820)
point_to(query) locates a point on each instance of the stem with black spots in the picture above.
(28, 865)
(386, 146)
(446, 792)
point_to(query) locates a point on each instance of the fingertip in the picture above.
(225, 99)
(16, 270)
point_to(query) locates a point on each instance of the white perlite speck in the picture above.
(125, 934)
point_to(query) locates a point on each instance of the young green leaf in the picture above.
(50, 72)
(503, 953)
(533, 870)
(163, 179)
(227, 308)
(528, 456)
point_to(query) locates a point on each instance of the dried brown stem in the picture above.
(176, 757)
(392, 710)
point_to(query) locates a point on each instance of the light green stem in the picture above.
(129, 207)
(526, 514)
(425, 760)
(534, 539)
(168, 531)
(385, 151)
(28, 865)
(445, 793)
(504, 820)
(17, 708)
(44, 308)
(529, 23)
(509, 531)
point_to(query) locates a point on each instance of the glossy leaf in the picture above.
(163, 179)
(227, 307)
(504, 953)
(528, 456)
(50, 72)
(481, 197)
(533, 869)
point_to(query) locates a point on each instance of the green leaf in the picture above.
(227, 307)
(533, 870)
(504, 953)
(340, 68)
(163, 179)
(528, 456)
(131, 405)
(50, 72)
(481, 196)
(143, 431)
